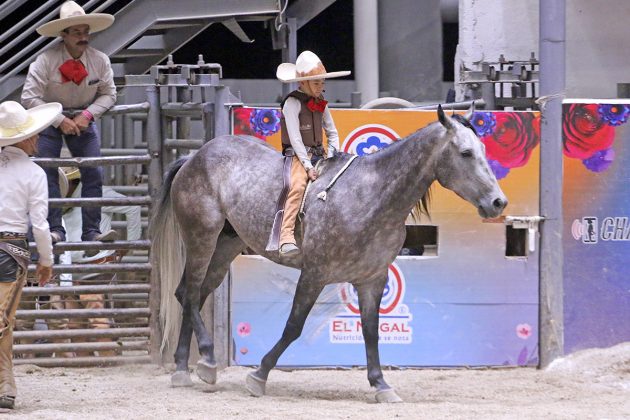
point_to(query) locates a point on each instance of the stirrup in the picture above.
(289, 249)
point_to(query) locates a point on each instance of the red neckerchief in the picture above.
(73, 71)
(316, 104)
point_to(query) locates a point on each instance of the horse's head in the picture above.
(462, 167)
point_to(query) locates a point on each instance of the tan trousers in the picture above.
(10, 293)
(91, 301)
(299, 178)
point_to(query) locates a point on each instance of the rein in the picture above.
(323, 194)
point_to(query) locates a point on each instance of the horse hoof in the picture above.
(387, 396)
(207, 372)
(180, 379)
(254, 385)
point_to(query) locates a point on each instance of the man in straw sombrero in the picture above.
(23, 198)
(304, 114)
(81, 79)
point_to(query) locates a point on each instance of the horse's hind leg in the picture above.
(227, 248)
(306, 294)
(370, 295)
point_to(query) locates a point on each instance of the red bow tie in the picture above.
(316, 104)
(73, 71)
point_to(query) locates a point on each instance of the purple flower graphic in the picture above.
(499, 170)
(600, 161)
(484, 123)
(371, 145)
(265, 121)
(614, 114)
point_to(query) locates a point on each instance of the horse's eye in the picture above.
(467, 153)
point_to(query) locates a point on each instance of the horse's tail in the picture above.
(168, 254)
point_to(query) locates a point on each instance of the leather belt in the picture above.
(12, 235)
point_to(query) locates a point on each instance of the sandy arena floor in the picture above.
(593, 384)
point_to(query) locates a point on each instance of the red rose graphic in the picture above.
(584, 131)
(513, 139)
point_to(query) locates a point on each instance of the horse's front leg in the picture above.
(306, 294)
(370, 295)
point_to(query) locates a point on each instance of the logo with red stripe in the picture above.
(368, 139)
(392, 295)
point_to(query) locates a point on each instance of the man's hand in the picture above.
(312, 174)
(69, 126)
(43, 274)
(81, 121)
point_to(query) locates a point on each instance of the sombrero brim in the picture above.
(42, 116)
(286, 74)
(96, 21)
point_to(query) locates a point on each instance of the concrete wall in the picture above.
(410, 49)
(597, 56)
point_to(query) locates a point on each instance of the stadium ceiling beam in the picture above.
(306, 10)
(237, 30)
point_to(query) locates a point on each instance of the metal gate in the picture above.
(175, 103)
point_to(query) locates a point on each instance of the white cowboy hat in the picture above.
(308, 66)
(17, 123)
(71, 14)
(67, 174)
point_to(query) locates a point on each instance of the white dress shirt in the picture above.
(73, 221)
(291, 112)
(24, 196)
(96, 93)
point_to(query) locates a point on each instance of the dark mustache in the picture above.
(82, 43)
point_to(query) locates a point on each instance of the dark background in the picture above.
(329, 35)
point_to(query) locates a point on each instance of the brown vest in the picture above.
(310, 123)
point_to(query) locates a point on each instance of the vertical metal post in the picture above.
(221, 111)
(154, 143)
(488, 95)
(366, 48)
(289, 54)
(118, 171)
(221, 295)
(552, 85)
(184, 95)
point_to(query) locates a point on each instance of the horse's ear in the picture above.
(444, 119)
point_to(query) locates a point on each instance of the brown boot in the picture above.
(10, 293)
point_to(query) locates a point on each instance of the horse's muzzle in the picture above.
(494, 210)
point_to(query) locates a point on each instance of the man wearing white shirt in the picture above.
(23, 198)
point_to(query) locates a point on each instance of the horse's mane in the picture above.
(422, 206)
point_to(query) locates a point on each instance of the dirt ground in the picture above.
(593, 384)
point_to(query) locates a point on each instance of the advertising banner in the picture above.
(469, 302)
(596, 146)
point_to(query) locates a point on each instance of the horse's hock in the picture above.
(109, 314)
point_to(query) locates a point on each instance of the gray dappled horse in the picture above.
(223, 198)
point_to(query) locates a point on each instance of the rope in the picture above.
(323, 195)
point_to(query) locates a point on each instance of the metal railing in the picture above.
(122, 287)
(144, 137)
